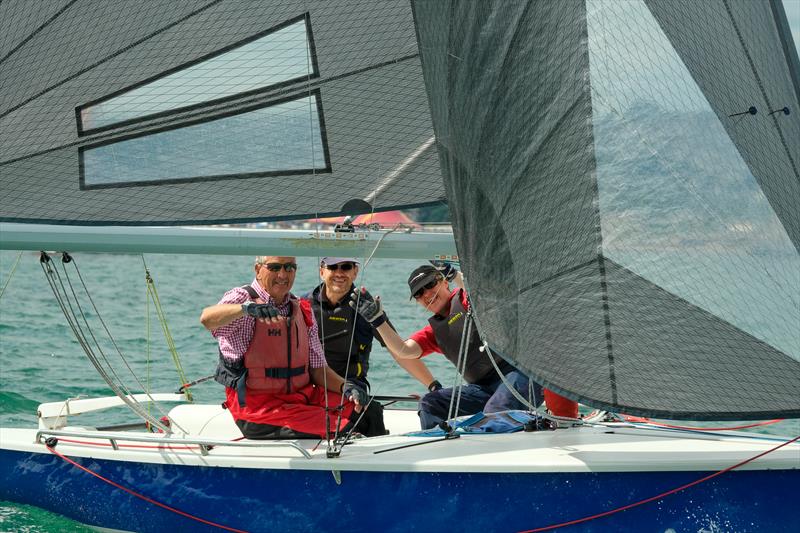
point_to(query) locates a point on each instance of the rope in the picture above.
(141, 496)
(461, 365)
(11, 273)
(152, 292)
(367, 261)
(662, 495)
(694, 428)
(157, 423)
(521, 398)
(63, 300)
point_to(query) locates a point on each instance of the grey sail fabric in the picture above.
(622, 240)
(120, 112)
(741, 38)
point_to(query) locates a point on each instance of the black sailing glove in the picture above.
(354, 392)
(370, 309)
(446, 269)
(259, 310)
(434, 386)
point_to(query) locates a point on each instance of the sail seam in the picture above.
(761, 88)
(556, 276)
(251, 101)
(108, 58)
(36, 31)
(612, 376)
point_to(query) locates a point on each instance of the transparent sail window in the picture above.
(679, 205)
(281, 139)
(278, 57)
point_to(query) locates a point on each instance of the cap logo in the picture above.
(421, 274)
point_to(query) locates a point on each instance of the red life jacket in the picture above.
(304, 408)
(277, 358)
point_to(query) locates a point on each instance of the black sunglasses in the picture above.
(431, 284)
(344, 266)
(276, 267)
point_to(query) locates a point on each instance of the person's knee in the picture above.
(431, 401)
(517, 379)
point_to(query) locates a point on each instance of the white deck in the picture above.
(601, 448)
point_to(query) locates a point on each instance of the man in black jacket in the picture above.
(347, 351)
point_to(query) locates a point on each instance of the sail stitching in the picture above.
(109, 57)
(555, 276)
(612, 376)
(36, 31)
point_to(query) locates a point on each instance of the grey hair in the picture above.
(261, 259)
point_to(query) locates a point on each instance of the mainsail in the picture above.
(628, 224)
(210, 111)
(622, 176)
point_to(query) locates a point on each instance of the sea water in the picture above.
(40, 360)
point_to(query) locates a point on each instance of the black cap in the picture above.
(421, 276)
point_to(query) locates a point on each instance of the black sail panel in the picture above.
(618, 245)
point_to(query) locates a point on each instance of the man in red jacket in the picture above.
(485, 390)
(272, 365)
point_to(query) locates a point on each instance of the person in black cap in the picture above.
(485, 390)
(347, 351)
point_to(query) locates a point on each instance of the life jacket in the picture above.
(277, 359)
(336, 331)
(448, 331)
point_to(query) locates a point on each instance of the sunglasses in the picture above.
(276, 267)
(346, 267)
(428, 286)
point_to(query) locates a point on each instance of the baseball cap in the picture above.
(337, 260)
(421, 276)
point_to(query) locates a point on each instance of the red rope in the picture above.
(765, 423)
(695, 428)
(141, 496)
(659, 496)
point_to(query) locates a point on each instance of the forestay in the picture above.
(628, 228)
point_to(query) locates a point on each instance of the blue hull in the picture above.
(293, 500)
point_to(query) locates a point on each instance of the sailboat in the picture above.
(623, 184)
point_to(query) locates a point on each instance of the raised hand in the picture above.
(370, 309)
(447, 269)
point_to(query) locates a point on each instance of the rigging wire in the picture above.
(152, 293)
(461, 366)
(367, 261)
(320, 322)
(152, 402)
(521, 398)
(11, 273)
(99, 360)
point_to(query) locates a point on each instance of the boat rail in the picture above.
(204, 444)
